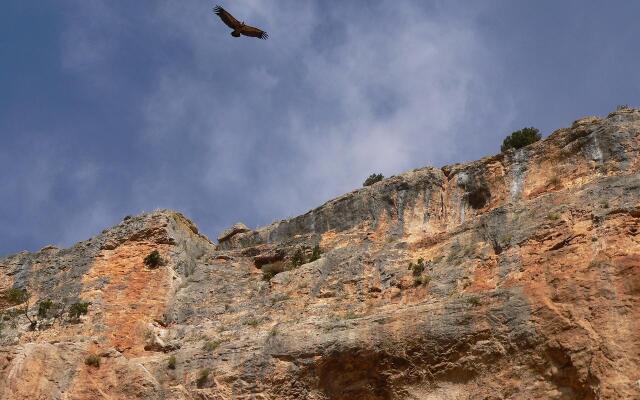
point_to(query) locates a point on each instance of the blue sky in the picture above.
(115, 107)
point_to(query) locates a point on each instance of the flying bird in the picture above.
(239, 28)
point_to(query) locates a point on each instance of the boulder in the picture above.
(234, 230)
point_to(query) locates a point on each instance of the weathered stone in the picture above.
(234, 230)
(49, 248)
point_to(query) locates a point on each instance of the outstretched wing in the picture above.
(253, 32)
(227, 18)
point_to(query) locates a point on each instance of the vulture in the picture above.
(239, 28)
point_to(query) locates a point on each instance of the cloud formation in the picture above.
(307, 115)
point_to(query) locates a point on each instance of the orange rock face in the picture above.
(133, 296)
(513, 277)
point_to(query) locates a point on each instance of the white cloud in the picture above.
(230, 129)
(268, 129)
(387, 96)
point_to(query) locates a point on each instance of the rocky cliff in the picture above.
(513, 277)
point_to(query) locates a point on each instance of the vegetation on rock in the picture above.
(417, 268)
(77, 309)
(47, 313)
(16, 296)
(521, 138)
(203, 377)
(373, 178)
(171, 362)
(553, 216)
(211, 345)
(421, 280)
(92, 360)
(316, 253)
(298, 258)
(473, 300)
(43, 308)
(153, 260)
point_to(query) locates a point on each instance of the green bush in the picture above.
(153, 260)
(473, 301)
(77, 309)
(315, 254)
(92, 360)
(43, 308)
(298, 258)
(16, 296)
(421, 280)
(211, 345)
(373, 178)
(417, 268)
(553, 216)
(203, 377)
(171, 362)
(521, 138)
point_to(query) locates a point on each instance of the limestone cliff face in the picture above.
(529, 289)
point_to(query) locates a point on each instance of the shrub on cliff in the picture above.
(298, 258)
(421, 280)
(16, 296)
(78, 309)
(315, 254)
(43, 308)
(211, 345)
(473, 301)
(203, 377)
(153, 260)
(417, 268)
(92, 360)
(373, 178)
(521, 138)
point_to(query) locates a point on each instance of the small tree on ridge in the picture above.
(521, 138)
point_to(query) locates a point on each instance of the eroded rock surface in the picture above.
(529, 289)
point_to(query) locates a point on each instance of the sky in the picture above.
(111, 108)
